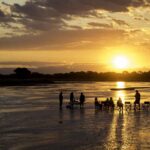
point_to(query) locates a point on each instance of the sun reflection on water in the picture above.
(120, 84)
(120, 94)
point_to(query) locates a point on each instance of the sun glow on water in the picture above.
(120, 84)
(121, 94)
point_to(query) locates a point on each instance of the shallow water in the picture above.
(30, 119)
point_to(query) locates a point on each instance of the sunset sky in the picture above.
(75, 35)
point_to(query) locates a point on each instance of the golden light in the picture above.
(120, 84)
(121, 62)
(121, 94)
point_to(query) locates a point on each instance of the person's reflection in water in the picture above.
(60, 100)
(104, 130)
(72, 114)
(72, 99)
(137, 122)
(120, 131)
(61, 115)
(82, 114)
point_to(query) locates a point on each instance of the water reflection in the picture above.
(120, 84)
(122, 93)
(116, 138)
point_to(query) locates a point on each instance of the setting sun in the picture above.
(120, 62)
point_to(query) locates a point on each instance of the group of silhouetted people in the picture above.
(108, 104)
(72, 101)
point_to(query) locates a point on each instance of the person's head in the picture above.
(111, 98)
(95, 98)
(136, 91)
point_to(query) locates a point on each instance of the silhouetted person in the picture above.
(72, 99)
(137, 99)
(60, 100)
(120, 104)
(111, 103)
(107, 103)
(82, 100)
(97, 104)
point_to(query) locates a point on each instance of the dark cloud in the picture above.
(50, 14)
(5, 18)
(64, 39)
(2, 14)
(120, 22)
(79, 6)
(134, 31)
(47, 19)
(95, 24)
(34, 64)
(36, 17)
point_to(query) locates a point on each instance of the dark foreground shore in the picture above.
(47, 128)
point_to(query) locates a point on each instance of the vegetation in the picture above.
(23, 76)
(105, 76)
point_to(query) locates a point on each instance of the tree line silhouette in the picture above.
(25, 76)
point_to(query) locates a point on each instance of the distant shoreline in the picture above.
(24, 77)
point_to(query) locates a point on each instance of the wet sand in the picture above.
(48, 128)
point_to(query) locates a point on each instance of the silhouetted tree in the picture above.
(22, 73)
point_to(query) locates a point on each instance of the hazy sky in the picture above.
(74, 35)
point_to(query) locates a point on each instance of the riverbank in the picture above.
(30, 118)
(45, 128)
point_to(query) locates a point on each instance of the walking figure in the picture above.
(137, 99)
(60, 100)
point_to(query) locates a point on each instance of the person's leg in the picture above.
(81, 104)
(139, 106)
(134, 105)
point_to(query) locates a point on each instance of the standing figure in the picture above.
(82, 100)
(60, 100)
(120, 104)
(106, 104)
(137, 99)
(111, 103)
(72, 99)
